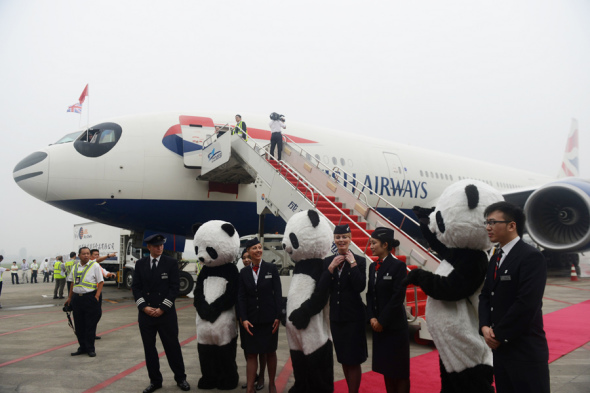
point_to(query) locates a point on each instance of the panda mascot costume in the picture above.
(456, 232)
(307, 240)
(216, 245)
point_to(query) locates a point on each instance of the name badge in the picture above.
(388, 277)
(505, 278)
(164, 276)
(77, 280)
(268, 276)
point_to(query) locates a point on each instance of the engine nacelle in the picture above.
(558, 215)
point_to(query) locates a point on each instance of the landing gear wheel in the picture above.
(186, 283)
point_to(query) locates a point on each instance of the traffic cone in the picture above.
(573, 276)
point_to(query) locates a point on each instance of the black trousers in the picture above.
(520, 377)
(166, 326)
(86, 315)
(14, 275)
(313, 372)
(276, 139)
(45, 277)
(34, 277)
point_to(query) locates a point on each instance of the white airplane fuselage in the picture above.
(141, 182)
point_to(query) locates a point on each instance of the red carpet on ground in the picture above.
(566, 329)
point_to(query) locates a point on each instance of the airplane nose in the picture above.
(31, 174)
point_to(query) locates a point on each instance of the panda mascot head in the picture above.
(216, 243)
(307, 236)
(457, 220)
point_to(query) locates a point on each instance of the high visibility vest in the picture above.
(80, 277)
(57, 270)
(34, 266)
(238, 129)
(69, 265)
(13, 269)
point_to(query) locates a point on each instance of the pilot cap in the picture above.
(341, 229)
(252, 242)
(155, 240)
(383, 234)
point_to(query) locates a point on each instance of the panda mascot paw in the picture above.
(456, 232)
(216, 245)
(308, 238)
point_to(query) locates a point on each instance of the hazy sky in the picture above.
(494, 80)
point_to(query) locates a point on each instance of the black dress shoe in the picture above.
(78, 352)
(152, 388)
(92, 354)
(184, 385)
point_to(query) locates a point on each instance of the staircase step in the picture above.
(326, 204)
(333, 211)
(410, 295)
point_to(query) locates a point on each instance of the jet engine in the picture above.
(558, 215)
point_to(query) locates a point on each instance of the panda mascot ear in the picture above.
(196, 227)
(313, 217)
(472, 196)
(229, 229)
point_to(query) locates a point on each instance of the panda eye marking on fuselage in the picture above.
(197, 250)
(294, 240)
(212, 253)
(440, 222)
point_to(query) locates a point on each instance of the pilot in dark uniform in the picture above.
(347, 273)
(156, 282)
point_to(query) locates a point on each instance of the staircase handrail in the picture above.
(360, 191)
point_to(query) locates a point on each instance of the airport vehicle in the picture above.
(128, 246)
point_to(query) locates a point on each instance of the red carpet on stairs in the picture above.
(566, 329)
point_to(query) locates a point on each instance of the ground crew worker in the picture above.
(241, 128)
(14, 272)
(84, 297)
(69, 265)
(2, 270)
(25, 271)
(45, 267)
(59, 272)
(156, 282)
(34, 270)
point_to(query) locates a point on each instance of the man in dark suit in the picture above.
(156, 282)
(510, 315)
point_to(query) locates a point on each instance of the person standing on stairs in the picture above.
(276, 138)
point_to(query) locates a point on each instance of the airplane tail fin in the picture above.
(569, 165)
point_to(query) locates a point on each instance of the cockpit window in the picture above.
(98, 140)
(69, 138)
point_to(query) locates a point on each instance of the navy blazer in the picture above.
(260, 302)
(157, 290)
(511, 304)
(346, 303)
(386, 294)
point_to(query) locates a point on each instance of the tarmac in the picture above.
(36, 342)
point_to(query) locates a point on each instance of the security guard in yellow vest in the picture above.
(69, 265)
(84, 298)
(59, 272)
(241, 128)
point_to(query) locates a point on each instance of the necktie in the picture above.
(255, 268)
(378, 265)
(154, 265)
(498, 256)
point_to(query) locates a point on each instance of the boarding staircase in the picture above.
(300, 182)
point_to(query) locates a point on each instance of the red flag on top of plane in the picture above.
(83, 95)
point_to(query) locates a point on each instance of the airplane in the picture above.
(141, 172)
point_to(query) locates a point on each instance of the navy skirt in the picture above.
(391, 353)
(262, 341)
(350, 342)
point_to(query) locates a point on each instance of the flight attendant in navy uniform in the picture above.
(156, 282)
(387, 314)
(259, 309)
(347, 273)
